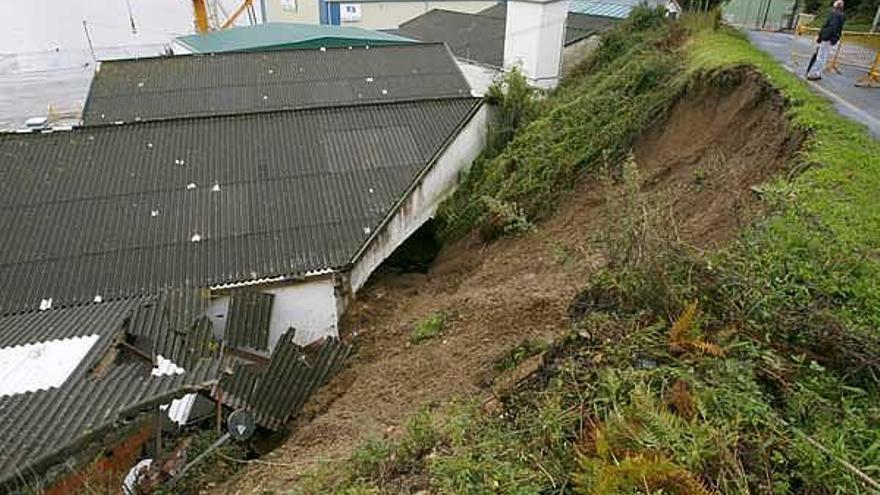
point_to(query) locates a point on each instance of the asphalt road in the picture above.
(859, 104)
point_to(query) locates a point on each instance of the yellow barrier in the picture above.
(872, 78)
(855, 49)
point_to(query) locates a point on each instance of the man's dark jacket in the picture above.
(833, 27)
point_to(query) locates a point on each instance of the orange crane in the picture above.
(200, 15)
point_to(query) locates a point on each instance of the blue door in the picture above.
(328, 12)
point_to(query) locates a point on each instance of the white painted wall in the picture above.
(421, 203)
(304, 11)
(534, 34)
(310, 306)
(389, 15)
(478, 76)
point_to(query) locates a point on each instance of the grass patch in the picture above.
(428, 328)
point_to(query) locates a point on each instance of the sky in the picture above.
(46, 25)
(45, 60)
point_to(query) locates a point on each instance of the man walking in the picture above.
(829, 35)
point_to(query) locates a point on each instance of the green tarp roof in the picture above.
(279, 35)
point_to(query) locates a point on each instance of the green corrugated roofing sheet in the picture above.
(283, 35)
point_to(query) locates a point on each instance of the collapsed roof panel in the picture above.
(278, 392)
(97, 381)
(235, 83)
(40, 429)
(248, 322)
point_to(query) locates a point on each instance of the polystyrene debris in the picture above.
(216, 188)
(191, 185)
(195, 238)
(45, 304)
(154, 213)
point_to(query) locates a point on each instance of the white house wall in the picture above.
(310, 306)
(422, 201)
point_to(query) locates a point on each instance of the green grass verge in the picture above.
(749, 370)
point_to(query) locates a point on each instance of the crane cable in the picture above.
(131, 17)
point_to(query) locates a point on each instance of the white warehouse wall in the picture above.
(421, 203)
(389, 15)
(303, 11)
(533, 39)
(374, 15)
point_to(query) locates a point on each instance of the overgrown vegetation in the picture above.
(590, 121)
(519, 353)
(749, 370)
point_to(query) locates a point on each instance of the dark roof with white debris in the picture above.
(116, 211)
(110, 386)
(234, 83)
(216, 185)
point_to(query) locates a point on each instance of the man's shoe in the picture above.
(814, 78)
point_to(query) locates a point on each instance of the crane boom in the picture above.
(244, 5)
(200, 14)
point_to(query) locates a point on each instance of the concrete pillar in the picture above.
(534, 37)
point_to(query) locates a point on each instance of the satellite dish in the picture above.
(241, 424)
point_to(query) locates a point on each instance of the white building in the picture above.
(370, 14)
(543, 39)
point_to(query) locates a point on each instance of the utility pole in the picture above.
(89, 39)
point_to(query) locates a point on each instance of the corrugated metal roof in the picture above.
(107, 387)
(39, 429)
(248, 322)
(480, 37)
(278, 393)
(616, 9)
(234, 83)
(286, 35)
(117, 211)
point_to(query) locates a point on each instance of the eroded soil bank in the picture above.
(723, 138)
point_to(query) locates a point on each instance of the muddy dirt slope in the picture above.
(715, 144)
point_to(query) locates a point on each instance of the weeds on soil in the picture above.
(428, 328)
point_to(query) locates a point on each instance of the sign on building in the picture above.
(350, 12)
